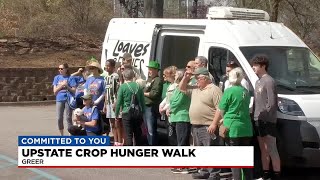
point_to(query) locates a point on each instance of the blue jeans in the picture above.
(150, 119)
(63, 107)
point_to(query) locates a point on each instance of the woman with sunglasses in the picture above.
(61, 84)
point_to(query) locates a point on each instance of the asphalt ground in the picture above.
(40, 120)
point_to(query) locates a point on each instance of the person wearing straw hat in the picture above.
(95, 84)
(152, 94)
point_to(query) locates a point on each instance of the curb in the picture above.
(28, 103)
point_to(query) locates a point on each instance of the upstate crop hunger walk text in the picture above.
(118, 152)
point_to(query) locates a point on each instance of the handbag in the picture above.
(223, 130)
(71, 99)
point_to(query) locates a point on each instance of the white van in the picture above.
(235, 33)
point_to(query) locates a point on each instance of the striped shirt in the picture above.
(112, 84)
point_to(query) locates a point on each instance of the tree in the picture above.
(81, 11)
(147, 8)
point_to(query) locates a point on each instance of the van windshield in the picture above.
(295, 69)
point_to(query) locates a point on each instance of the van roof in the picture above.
(237, 32)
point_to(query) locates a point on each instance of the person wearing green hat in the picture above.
(152, 94)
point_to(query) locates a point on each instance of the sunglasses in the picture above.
(61, 68)
(231, 64)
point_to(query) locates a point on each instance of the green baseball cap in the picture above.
(86, 97)
(154, 65)
(201, 71)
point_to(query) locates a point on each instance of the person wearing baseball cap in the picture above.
(205, 98)
(152, 94)
(92, 114)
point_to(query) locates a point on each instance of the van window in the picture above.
(178, 50)
(218, 58)
(296, 70)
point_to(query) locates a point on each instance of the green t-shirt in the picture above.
(179, 107)
(165, 86)
(235, 104)
(124, 97)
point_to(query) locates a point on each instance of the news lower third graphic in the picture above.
(96, 152)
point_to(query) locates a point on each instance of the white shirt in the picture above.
(165, 104)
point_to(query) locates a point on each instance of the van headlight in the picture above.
(290, 107)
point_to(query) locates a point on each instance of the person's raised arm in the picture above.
(183, 85)
(80, 70)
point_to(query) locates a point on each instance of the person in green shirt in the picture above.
(234, 107)
(131, 127)
(179, 112)
(152, 95)
(164, 89)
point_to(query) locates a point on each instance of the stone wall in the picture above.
(27, 84)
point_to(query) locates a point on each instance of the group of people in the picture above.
(198, 112)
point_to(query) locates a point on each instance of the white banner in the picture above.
(135, 156)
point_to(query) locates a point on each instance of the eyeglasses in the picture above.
(61, 68)
(232, 64)
(91, 68)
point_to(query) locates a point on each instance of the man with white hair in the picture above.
(234, 108)
(201, 112)
(201, 61)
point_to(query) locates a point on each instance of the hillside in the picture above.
(45, 52)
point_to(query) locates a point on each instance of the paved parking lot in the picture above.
(40, 120)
